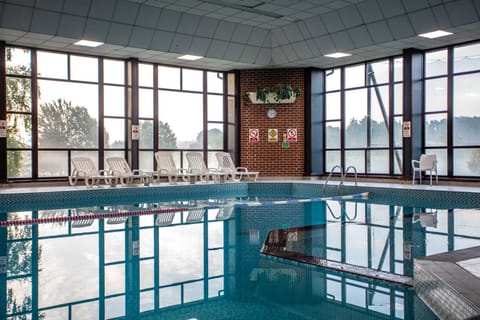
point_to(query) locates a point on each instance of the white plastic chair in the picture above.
(120, 168)
(427, 162)
(226, 164)
(84, 168)
(196, 166)
(166, 167)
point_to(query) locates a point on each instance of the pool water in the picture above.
(205, 261)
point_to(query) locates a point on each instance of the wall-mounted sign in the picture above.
(3, 128)
(292, 135)
(406, 129)
(272, 135)
(253, 135)
(135, 132)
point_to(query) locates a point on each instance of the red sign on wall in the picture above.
(253, 135)
(292, 135)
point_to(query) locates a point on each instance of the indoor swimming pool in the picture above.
(231, 251)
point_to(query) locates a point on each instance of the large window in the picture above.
(62, 105)
(362, 116)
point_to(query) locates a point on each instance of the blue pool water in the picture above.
(223, 262)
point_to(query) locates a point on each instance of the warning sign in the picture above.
(292, 135)
(272, 135)
(406, 129)
(135, 132)
(3, 128)
(253, 135)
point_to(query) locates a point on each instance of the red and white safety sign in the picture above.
(292, 135)
(253, 135)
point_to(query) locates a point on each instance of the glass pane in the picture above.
(147, 301)
(466, 58)
(466, 162)
(19, 94)
(332, 81)
(397, 131)
(398, 99)
(441, 159)
(436, 95)
(231, 83)
(436, 130)
(215, 108)
(231, 110)
(332, 158)
(145, 75)
(436, 63)
(355, 76)
(146, 160)
(79, 96)
(19, 164)
(215, 136)
(52, 65)
(109, 154)
(466, 113)
(215, 82)
(398, 69)
(193, 291)
(192, 80)
(332, 107)
(397, 161)
(19, 130)
(61, 124)
(146, 134)
(170, 296)
(93, 155)
(378, 161)
(356, 118)
(332, 134)
(114, 133)
(215, 263)
(114, 101)
(355, 158)
(188, 130)
(83, 68)
(52, 163)
(379, 117)
(18, 61)
(378, 72)
(215, 287)
(113, 71)
(167, 139)
(168, 77)
(145, 103)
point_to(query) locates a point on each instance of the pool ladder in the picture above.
(343, 176)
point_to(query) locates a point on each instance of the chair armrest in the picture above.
(415, 163)
(243, 169)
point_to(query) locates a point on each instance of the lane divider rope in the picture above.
(175, 209)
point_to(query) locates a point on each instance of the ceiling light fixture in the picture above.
(338, 55)
(88, 43)
(190, 57)
(435, 34)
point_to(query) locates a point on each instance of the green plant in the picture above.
(285, 92)
(261, 94)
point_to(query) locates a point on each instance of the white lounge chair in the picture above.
(196, 166)
(120, 168)
(427, 162)
(226, 164)
(84, 168)
(166, 167)
(164, 219)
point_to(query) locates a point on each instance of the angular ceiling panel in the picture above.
(141, 37)
(96, 30)
(45, 22)
(342, 41)
(412, 5)
(332, 22)
(161, 40)
(233, 51)
(264, 56)
(400, 27)
(461, 12)
(315, 26)
(391, 8)
(199, 46)
(71, 26)
(188, 23)
(292, 32)
(224, 30)
(119, 34)
(242, 33)
(125, 12)
(16, 17)
(54, 5)
(76, 7)
(147, 17)
(380, 32)
(180, 43)
(441, 17)
(259, 37)
(360, 37)
(249, 54)
(370, 11)
(350, 16)
(423, 21)
(102, 9)
(169, 20)
(207, 27)
(217, 49)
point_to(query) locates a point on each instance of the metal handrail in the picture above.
(354, 172)
(332, 171)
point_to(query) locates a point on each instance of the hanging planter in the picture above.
(276, 95)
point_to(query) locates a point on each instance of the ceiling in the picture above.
(240, 34)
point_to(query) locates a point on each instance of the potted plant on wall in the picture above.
(273, 95)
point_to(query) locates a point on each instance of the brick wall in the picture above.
(269, 157)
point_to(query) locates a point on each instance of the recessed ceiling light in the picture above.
(338, 55)
(88, 43)
(190, 57)
(435, 34)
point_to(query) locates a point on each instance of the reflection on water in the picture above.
(204, 261)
